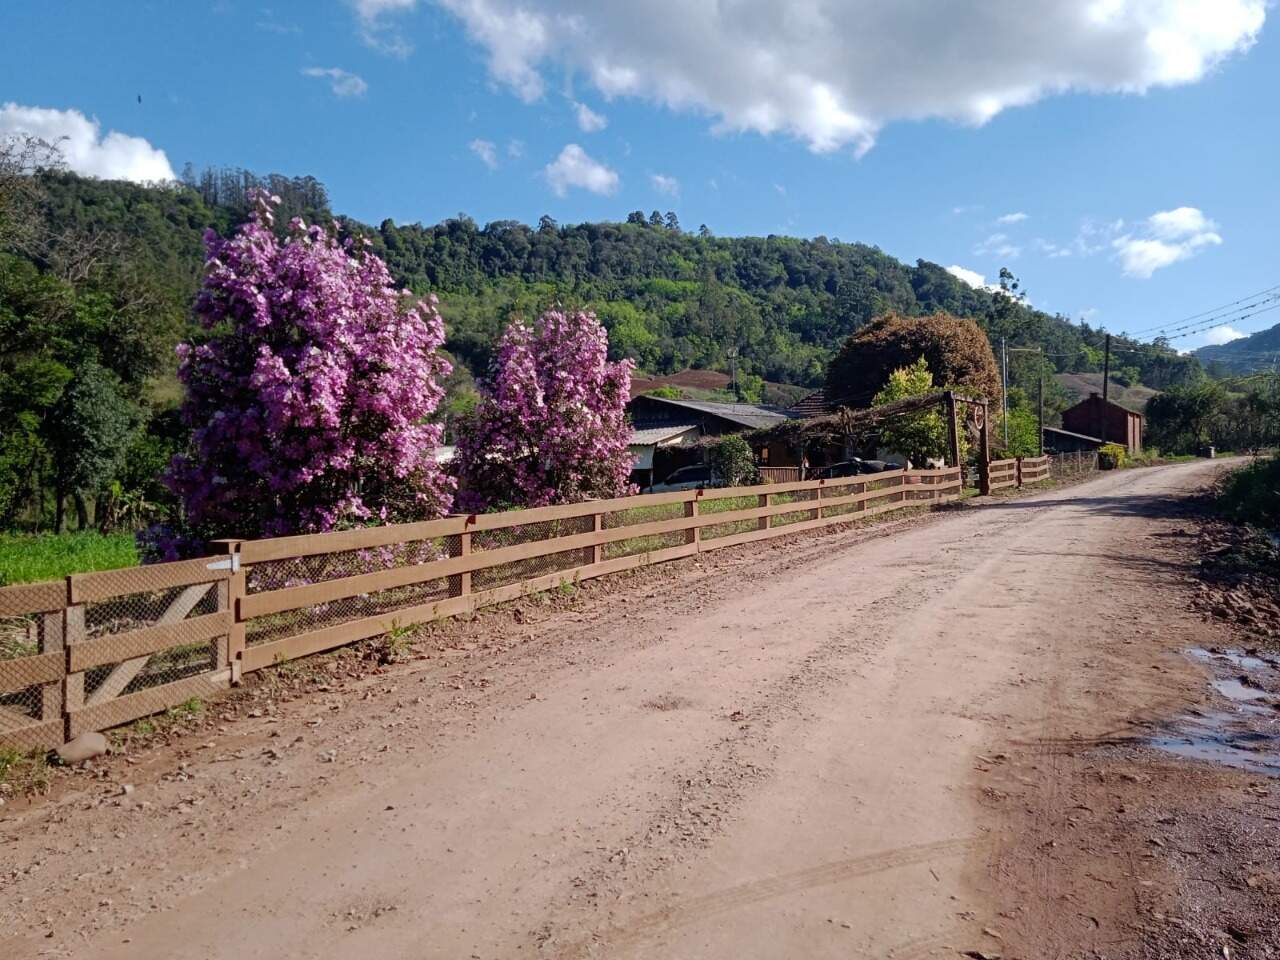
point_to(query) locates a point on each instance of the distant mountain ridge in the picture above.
(1258, 351)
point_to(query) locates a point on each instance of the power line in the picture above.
(1205, 313)
(1243, 316)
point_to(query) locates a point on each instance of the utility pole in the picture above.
(733, 370)
(1004, 376)
(1106, 369)
(1040, 405)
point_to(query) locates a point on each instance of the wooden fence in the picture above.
(96, 650)
(1032, 470)
(1003, 473)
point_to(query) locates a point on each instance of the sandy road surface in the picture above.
(780, 753)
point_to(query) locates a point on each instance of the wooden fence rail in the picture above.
(1003, 473)
(100, 649)
(1032, 470)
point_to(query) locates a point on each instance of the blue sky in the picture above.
(1137, 140)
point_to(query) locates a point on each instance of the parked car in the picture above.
(686, 478)
(852, 468)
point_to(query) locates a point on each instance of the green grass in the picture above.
(1252, 494)
(23, 774)
(25, 557)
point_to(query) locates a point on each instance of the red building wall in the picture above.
(1095, 417)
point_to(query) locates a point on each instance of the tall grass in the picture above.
(1252, 494)
(26, 557)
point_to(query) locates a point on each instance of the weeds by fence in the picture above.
(99, 649)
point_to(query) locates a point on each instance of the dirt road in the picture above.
(843, 746)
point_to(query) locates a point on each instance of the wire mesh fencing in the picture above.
(129, 670)
(657, 513)
(1072, 466)
(20, 639)
(729, 528)
(348, 602)
(530, 568)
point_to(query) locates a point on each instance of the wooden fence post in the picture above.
(953, 429)
(73, 632)
(52, 638)
(764, 500)
(1017, 471)
(230, 592)
(691, 510)
(597, 524)
(984, 453)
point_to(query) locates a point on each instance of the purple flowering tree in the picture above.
(551, 424)
(310, 398)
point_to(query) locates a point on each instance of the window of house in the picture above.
(763, 455)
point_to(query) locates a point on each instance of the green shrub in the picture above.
(1111, 456)
(732, 461)
(1252, 494)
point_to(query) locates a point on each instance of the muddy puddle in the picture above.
(1242, 729)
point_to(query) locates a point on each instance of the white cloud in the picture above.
(782, 191)
(972, 277)
(1011, 218)
(343, 83)
(376, 31)
(832, 73)
(588, 120)
(573, 168)
(515, 149)
(999, 246)
(1182, 222)
(84, 148)
(486, 151)
(1223, 334)
(664, 184)
(1166, 238)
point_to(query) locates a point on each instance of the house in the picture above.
(672, 440)
(665, 433)
(1112, 423)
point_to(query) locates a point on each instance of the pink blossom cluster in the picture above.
(551, 424)
(310, 397)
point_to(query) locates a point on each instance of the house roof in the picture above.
(1077, 436)
(744, 414)
(655, 436)
(812, 405)
(1097, 398)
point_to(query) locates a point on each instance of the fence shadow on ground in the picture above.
(1119, 505)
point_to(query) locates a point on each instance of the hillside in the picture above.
(1079, 385)
(1259, 351)
(672, 299)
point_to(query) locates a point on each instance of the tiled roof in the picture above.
(813, 405)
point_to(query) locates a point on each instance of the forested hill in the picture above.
(1258, 351)
(670, 298)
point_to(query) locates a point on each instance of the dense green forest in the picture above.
(97, 277)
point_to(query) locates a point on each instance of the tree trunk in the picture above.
(59, 509)
(82, 510)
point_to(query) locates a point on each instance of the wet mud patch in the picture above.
(1241, 730)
